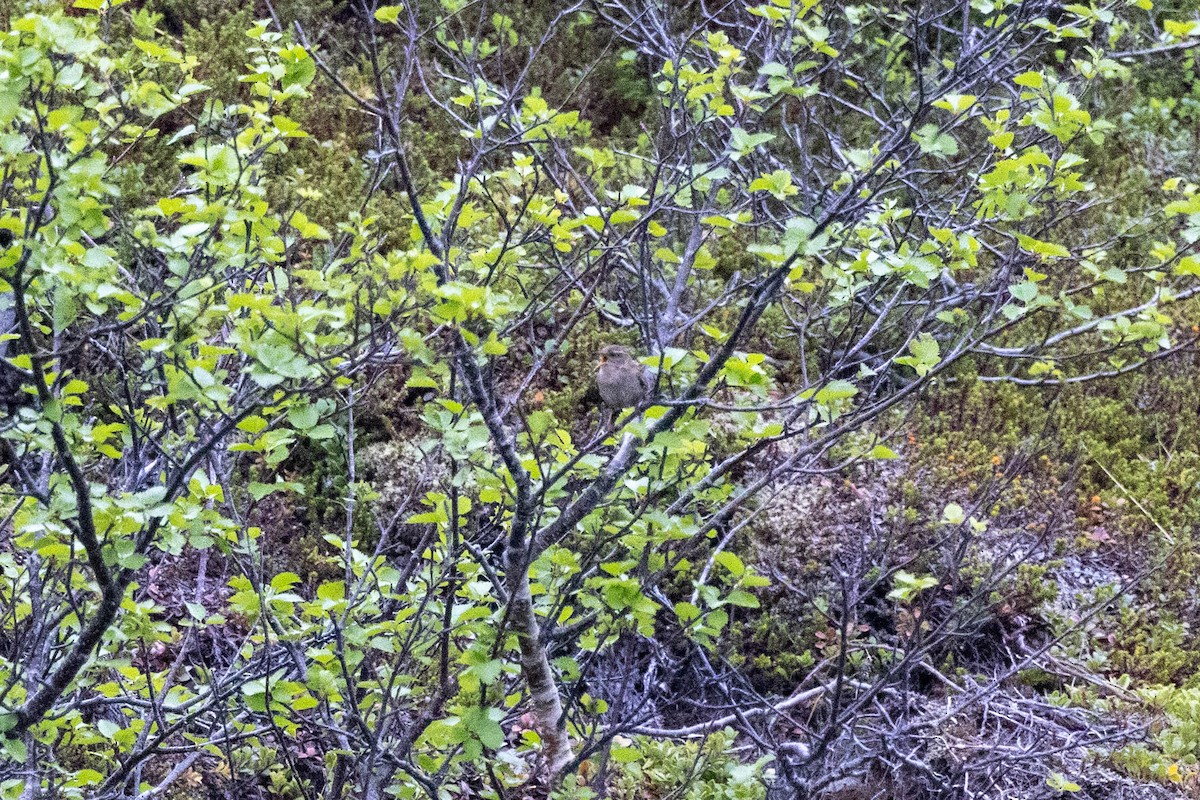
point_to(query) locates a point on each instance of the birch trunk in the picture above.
(535, 666)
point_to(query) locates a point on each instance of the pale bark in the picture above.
(535, 666)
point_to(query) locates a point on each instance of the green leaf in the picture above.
(956, 103)
(926, 354)
(87, 777)
(332, 590)
(625, 755)
(437, 516)
(16, 750)
(253, 424)
(489, 671)
(686, 612)
(778, 183)
(1025, 291)
(731, 562)
(1181, 29)
(907, 586)
(388, 13)
(299, 68)
(259, 490)
(1061, 783)
(953, 514)
(935, 143)
(322, 432)
(1049, 249)
(484, 724)
(744, 599)
(1032, 80)
(836, 390)
(742, 142)
(284, 581)
(1001, 140)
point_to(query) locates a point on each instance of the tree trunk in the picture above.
(547, 706)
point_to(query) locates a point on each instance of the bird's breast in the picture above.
(619, 389)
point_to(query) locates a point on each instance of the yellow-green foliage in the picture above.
(657, 770)
(1172, 754)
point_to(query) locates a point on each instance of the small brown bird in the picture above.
(622, 380)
